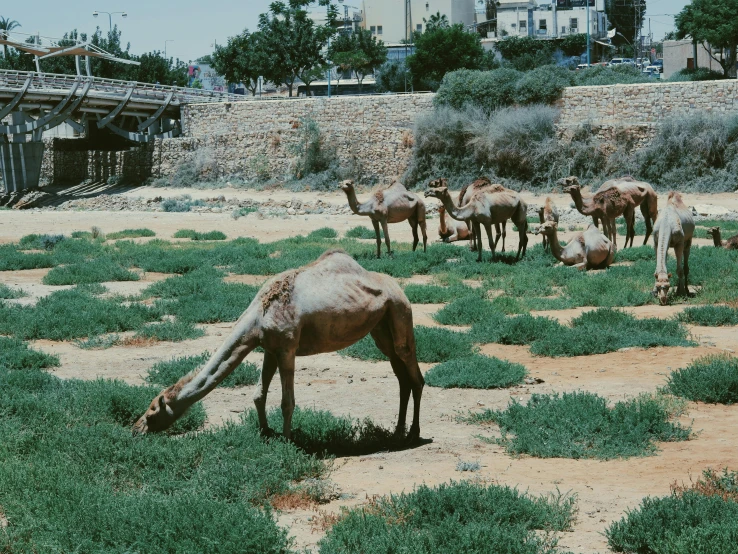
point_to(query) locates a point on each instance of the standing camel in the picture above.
(614, 198)
(588, 250)
(729, 244)
(451, 230)
(391, 205)
(325, 306)
(484, 210)
(674, 228)
(548, 212)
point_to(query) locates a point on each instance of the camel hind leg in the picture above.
(379, 237)
(421, 222)
(414, 226)
(385, 230)
(268, 369)
(520, 219)
(647, 217)
(286, 363)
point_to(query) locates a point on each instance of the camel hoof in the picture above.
(413, 436)
(267, 433)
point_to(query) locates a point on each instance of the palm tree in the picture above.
(436, 21)
(7, 25)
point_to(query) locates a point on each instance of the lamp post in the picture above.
(165, 47)
(110, 16)
(588, 48)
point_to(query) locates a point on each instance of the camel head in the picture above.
(567, 183)
(712, 232)
(437, 192)
(438, 183)
(547, 228)
(346, 186)
(661, 288)
(158, 417)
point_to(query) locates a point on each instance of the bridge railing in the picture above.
(14, 80)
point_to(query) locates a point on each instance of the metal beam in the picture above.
(42, 121)
(142, 137)
(64, 115)
(10, 106)
(119, 108)
(157, 114)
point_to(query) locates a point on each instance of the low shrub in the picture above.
(360, 232)
(94, 271)
(15, 354)
(169, 372)
(476, 372)
(11, 259)
(170, 331)
(519, 329)
(699, 74)
(709, 316)
(323, 233)
(458, 516)
(6, 293)
(600, 75)
(712, 483)
(712, 379)
(194, 235)
(466, 310)
(182, 203)
(433, 344)
(581, 425)
(434, 294)
(543, 85)
(130, 234)
(488, 90)
(39, 242)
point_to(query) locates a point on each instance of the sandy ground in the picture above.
(605, 490)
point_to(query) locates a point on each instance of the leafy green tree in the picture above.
(293, 42)
(7, 25)
(713, 22)
(574, 45)
(621, 15)
(436, 21)
(242, 60)
(441, 49)
(359, 52)
(393, 76)
(526, 53)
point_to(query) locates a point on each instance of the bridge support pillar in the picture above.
(20, 165)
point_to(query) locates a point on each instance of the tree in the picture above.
(441, 49)
(393, 76)
(7, 25)
(359, 52)
(627, 17)
(526, 53)
(436, 21)
(713, 22)
(574, 45)
(242, 60)
(293, 42)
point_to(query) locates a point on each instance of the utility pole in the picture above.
(408, 34)
(588, 48)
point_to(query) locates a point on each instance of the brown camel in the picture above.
(614, 198)
(451, 230)
(674, 229)
(485, 209)
(548, 212)
(588, 250)
(391, 205)
(322, 307)
(729, 244)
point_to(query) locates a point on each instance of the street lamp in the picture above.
(165, 47)
(110, 16)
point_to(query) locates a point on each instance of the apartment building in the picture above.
(553, 19)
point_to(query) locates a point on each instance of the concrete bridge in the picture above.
(31, 103)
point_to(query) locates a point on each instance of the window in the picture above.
(373, 30)
(427, 6)
(563, 30)
(523, 25)
(379, 29)
(574, 24)
(542, 25)
(419, 27)
(513, 25)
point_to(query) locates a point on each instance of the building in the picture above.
(680, 54)
(554, 19)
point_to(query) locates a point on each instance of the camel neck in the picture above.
(451, 209)
(582, 208)
(662, 247)
(443, 227)
(353, 202)
(556, 249)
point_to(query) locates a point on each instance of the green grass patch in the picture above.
(130, 234)
(94, 271)
(323, 233)
(581, 425)
(434, 294)
(15, 354)
(169, 372)
(709, 316)
(519, 329)
(712, 379)
(170, 331)
(476, 372)
(433, 344)
(360, 232)
(6, 293)
(12, 259)
(466, 310)
(194, 235)
(455, 517)
(74, 479)
(40, 242)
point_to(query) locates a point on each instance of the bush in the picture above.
(485, 90)
(520, 329)
(710, 316)
(169, 372)
(712, 379)
(39, 242)
(699, 74)
(13, 260)
(360, 232)
(462, 517)
(6, 293)
(393, 76)
(601, 75)
(323, 233)
(476, 372)
(543, 85)
(465, 311)
(313, 154)
(15, 354)
(170, 331)
(434, 294)
(525, 53)
(182, 203)
(130, 234)
(94, 271)
(194, 235)
(580, 425)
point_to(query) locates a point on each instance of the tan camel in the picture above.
(392, 205)
(451, 230)
(485, 209)
(322, 307)
(729, 244)
(586, 250)
(548, 212)
(674, 228)
(614, 198)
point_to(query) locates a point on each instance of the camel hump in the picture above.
(379, 196)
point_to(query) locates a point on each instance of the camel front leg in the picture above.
(687, 249)
(473, 239)
(504, 234)
(378, 234)
(424, 232)
(478, 237)
(629, 216)
(492, 244)
(268, 369)
(385, 229)
(286, 363)
(679, 255)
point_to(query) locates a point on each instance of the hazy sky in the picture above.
(193, 25)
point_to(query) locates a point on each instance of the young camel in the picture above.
(392, 205)
(548, 212)
(484, 210)
(588, 250)
(729, 244)
(674, 228)
(297, 314)
(451, 230)
(614, 198)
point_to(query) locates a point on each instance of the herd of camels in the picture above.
(295, 314)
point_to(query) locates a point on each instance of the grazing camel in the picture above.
(484, 210)
(325, 306)
(674, 228)
(548, 212)
(729, 244)
(614, 198)
(586, 250)
(390, 205)
(451, 230)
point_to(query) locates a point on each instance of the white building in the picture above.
(553, 19)
(386, 18)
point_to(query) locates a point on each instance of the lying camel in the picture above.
(586, 250)
(485, 209)
(451, 230)
(729, 244)
(674, 228)
(548, 212)
(392, 205)
(322, 307)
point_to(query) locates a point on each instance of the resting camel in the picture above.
(548, 212)
(674, 228)
(614, 198)
(391, 205)
(729, 244)
(322, 307)
(484, 210)
(586, 250)
(451, 230)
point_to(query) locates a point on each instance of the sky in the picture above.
(191, 27)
